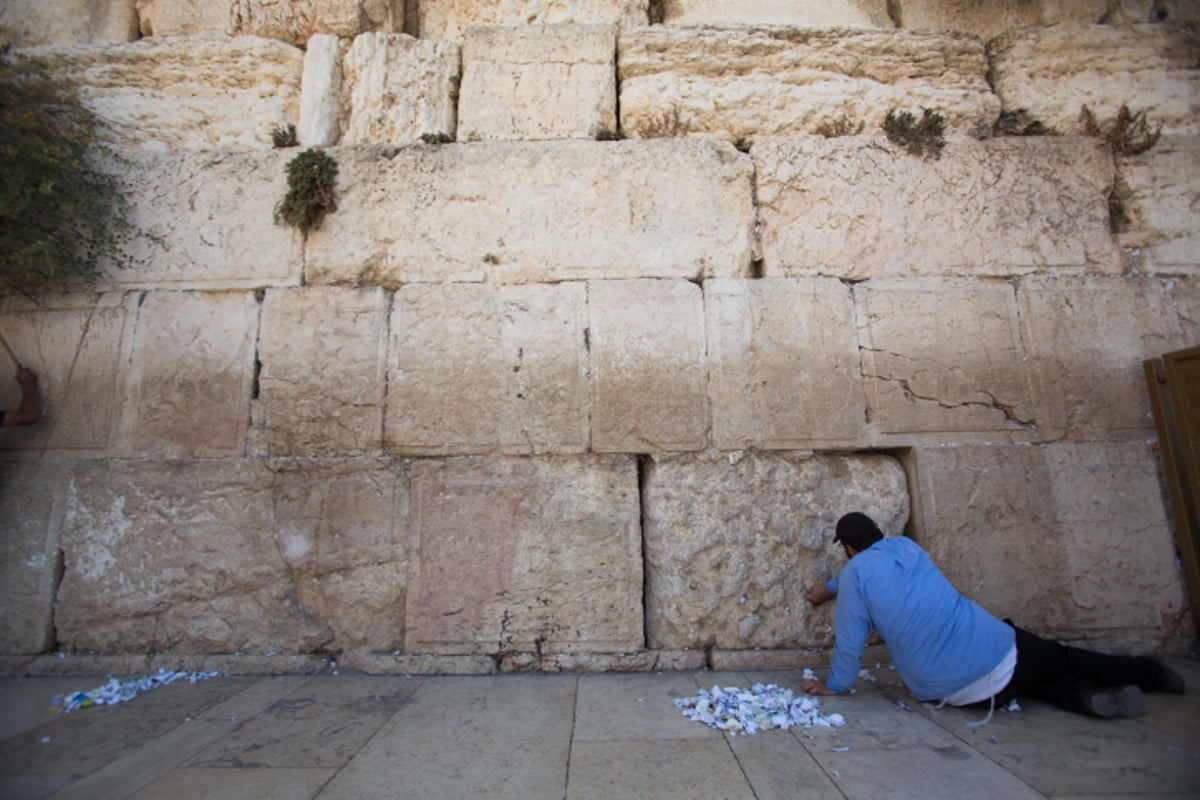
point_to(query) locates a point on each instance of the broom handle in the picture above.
(11, 354)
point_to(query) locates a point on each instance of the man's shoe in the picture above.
(1168, 680)
(1127, 701)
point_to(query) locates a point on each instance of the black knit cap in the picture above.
(857, 530)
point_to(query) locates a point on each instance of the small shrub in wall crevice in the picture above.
(924, 137)
(1128, 134)
(310, 194)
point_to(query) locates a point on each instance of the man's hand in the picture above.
(819, 594)
(817, 687)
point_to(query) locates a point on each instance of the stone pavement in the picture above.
(575, 736)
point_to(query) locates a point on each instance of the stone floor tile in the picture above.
(260, 784)
(319, 725)
(665, 770)
(255, 698)
(27, 703)
(610, 706)
(777, 765)
(919, 773)
(469, 737)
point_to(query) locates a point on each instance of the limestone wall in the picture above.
(588, 386)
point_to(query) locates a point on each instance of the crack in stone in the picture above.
(994, 404)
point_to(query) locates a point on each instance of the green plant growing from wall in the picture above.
(925, 137)
(283, 136)
(61, 215)
(1128, 135)
(436, 138)
(310, 193)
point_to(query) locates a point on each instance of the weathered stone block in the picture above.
(173, 555)
(475, 368)
(77, 344)
(1051, 73)
(206, 222)
(191, 375)
(990, 18)
(396, 89)
(449, 19)
(529, 212)
(189, 93)
(1087, 339)
(943, 361)
(733, 541)
(836, 14)
(540, 555)
(646, 343)
(30, 524)
(783, 364)
(33, 22)
(740, 83)
(321, 92)
(293, 21)
(339, 527)
(862, 208)
(1159, 193)
(1067, 540)
(544, 82)
(321, 386)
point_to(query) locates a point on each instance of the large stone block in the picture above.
(206, 222)
(177, 556)
(33, 22)
(649, 382)
(187, 93)
(291, 20)
(449, 19)
(340, 528)
(191, 375)
(78, 346)
(1159, 195)
(943, 361)
(1070, 541)
(1087, 339)
(321, 385)
(534, 555)
(733, 542)
(862, 208)
(321, 92)
(530, 212)
(990, 18)
(396, 89)
(741, 83)
(783, 364)
(544, 82)
(30, 524)
(1051, 73)
(488, 369)
(824, 14)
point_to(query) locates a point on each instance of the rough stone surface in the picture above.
(30, 519)
(641, 661)
(1050, 535)
(1159, 193)
(649, 387)
(187, 93)
(292, 21)
(340, 529)
(33, 22)
(543, 82)
(990, 18)
(534, 555)
(741, 83)
(860, 207)
(190, 377)
(733, 541)
(526, 212)
(488, 369)
(321, 385)
(78, 346)
(1088, 337)
(206, 222)
(1051, 73)
(171, 555)
(321, 92)
(944, 361)
(783, 364)
(450, 19)
(826, 14)
(396, 89)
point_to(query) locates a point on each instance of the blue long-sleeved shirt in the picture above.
(940, 640)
